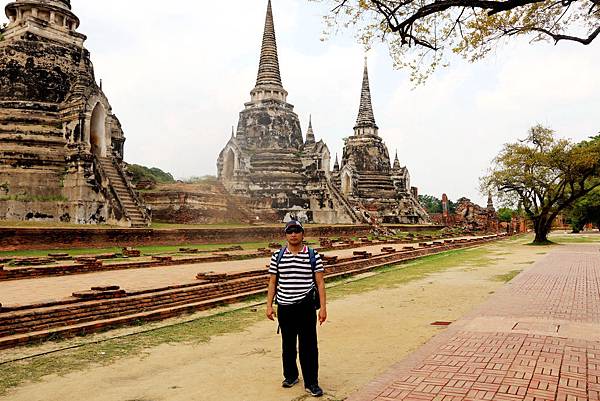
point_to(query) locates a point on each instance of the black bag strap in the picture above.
(279, 257)
(313, 262)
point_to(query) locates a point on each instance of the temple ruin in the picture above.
(468, 215)
(267, 157)
(61, 146)
(366, 177)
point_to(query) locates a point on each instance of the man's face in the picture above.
(294, 235)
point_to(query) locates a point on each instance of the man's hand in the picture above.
(270, 312)
(322, 315)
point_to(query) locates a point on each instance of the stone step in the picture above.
(375, 179)
(29, 129)
(29, 118)
(33, 141)
(120, 186)
(20, 158)
(375, 187)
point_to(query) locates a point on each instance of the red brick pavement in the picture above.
(536, 340)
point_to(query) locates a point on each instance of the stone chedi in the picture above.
(366, 176)
(61, 147)
(267, 156)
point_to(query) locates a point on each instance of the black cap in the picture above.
(293, 223)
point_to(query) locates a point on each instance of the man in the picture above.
(292, 284)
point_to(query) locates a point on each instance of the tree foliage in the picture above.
(154, 174)
(585, 210)
(433, 205)
(201, 179)
(545, 175)
(422, 33)
(506, 214)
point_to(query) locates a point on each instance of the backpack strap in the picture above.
(313, 263)
(313, 259)
(279, 257)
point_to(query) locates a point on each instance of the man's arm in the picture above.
(322, 297)
(271, 296)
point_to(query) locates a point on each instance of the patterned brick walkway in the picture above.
(536, 340)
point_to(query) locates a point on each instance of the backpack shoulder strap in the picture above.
(313, 258)
(279, 257)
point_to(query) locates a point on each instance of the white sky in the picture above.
(178, 73)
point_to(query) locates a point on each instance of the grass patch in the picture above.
(507, 276)
(576, 239)
(543, 243)
(203, 329)
(391, 276)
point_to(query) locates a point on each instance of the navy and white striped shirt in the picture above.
(295, 275)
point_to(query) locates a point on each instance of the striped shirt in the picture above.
(295, 275)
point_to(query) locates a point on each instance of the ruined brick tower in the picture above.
(61, 147)
(267, 157)
(366, 177)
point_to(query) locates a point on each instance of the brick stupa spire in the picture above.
(310, 134)
(365, 123)
(396, 162)
(268, 81)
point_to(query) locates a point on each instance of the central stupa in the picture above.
(267, 157)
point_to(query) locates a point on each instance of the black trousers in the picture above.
(298, 325)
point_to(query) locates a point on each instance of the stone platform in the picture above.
(536, 340)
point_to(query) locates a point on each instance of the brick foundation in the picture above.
(14, 239)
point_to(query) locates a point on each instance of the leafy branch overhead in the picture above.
(420, 33)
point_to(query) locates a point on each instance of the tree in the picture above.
(421, 33)
(506, 214)
(431, 204)
(585, 210)
(546, 175)
(434, 205)
(154, 174)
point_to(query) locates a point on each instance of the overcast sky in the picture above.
(178, 73)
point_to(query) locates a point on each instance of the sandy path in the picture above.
(366, 334)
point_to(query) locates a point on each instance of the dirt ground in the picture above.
(366, 333)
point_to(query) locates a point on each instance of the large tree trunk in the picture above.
(542, 225)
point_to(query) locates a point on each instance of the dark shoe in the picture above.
(314, 390)
(287, 383)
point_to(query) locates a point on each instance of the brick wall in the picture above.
(12, 239)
